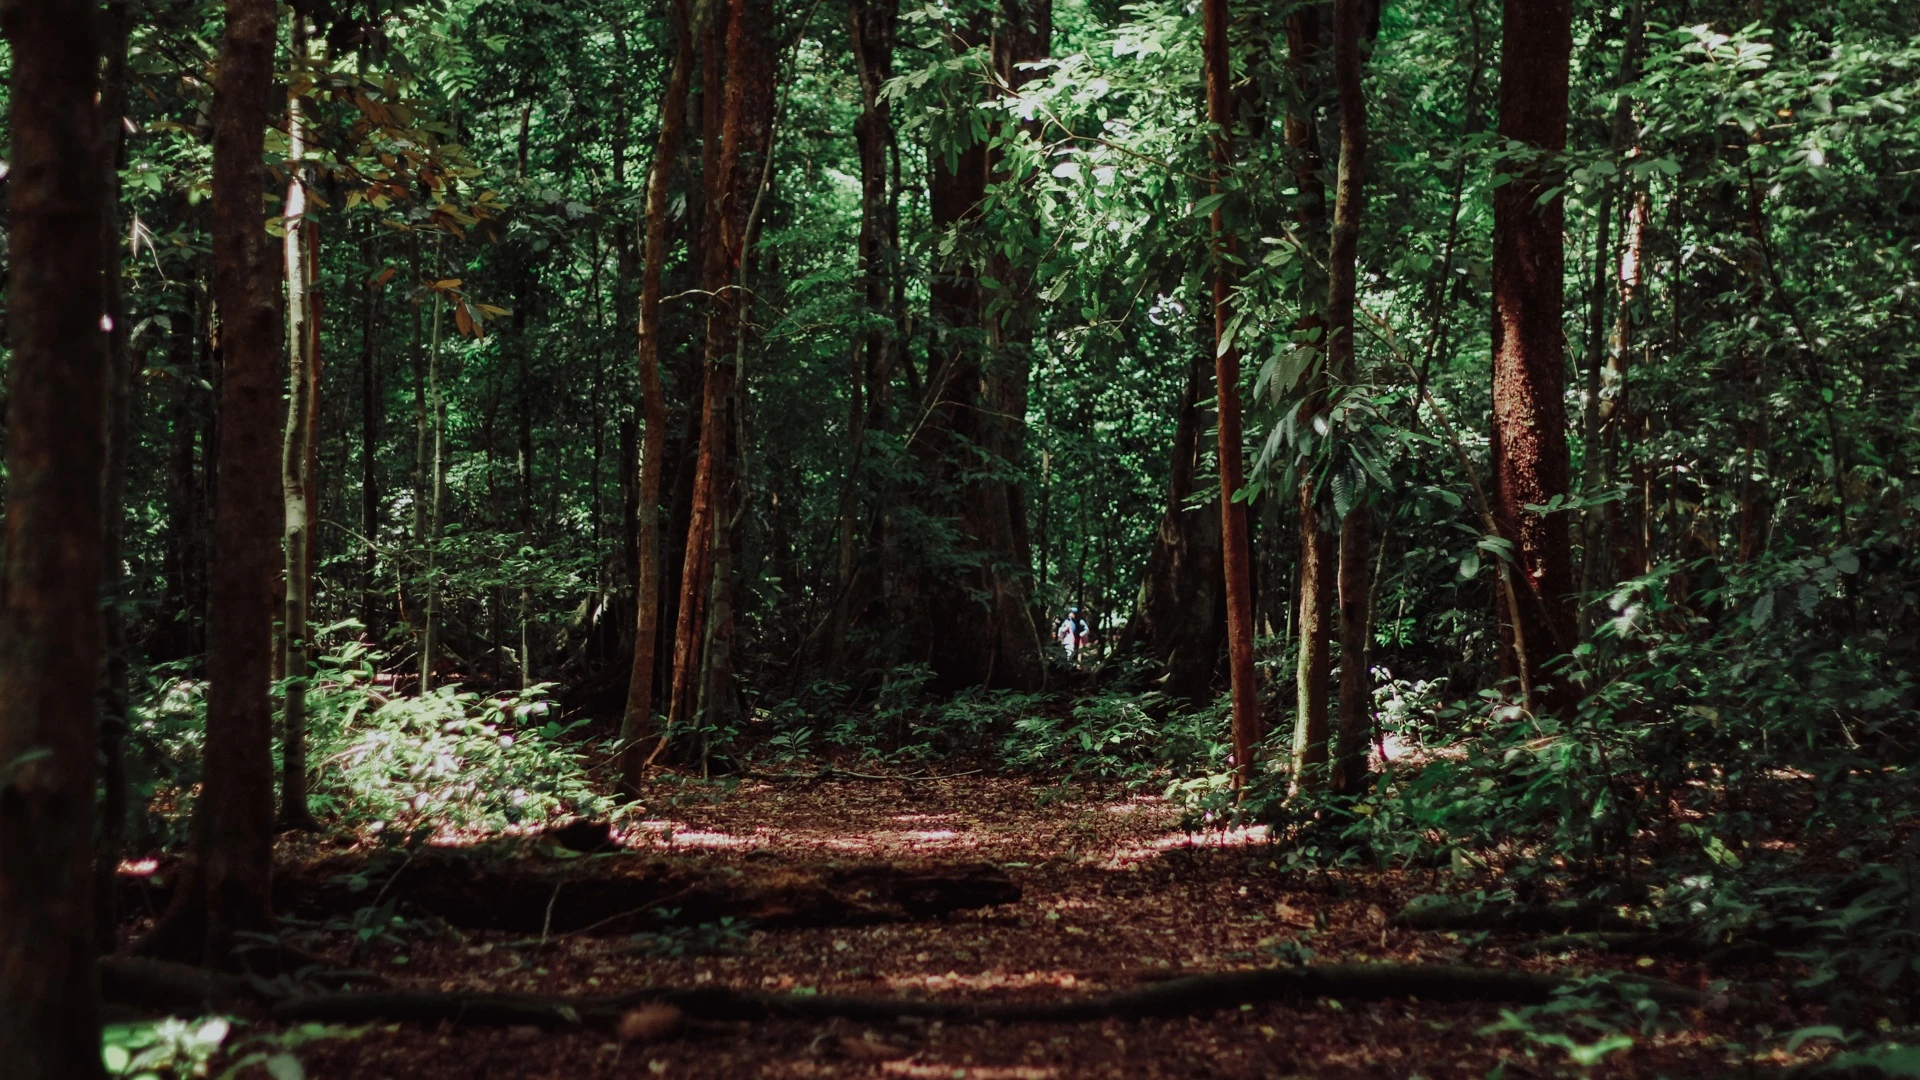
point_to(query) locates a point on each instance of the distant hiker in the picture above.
(1072, 632)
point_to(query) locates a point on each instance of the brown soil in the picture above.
(1115, 894)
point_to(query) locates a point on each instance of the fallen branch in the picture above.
(1175, 997)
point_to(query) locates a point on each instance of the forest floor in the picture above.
(1115, 895)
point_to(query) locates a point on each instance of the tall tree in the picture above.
(1313, 668)
(224, 886)
(1233, 512)
(1530, 465)
(637, 723)
(733, 189)
(1349, 758)
(297, 448)
(51, 634)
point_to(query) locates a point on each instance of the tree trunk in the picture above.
(115, 25)
(51, 635)
(435, 434)
(1529, 411)
(227, 879)
(733, 190)
(302, 247)
(370, 404)
(1596, 469)
(1226, 366)
(1314, 625)
(637, 724)
(1180, 616)
(1349, 756)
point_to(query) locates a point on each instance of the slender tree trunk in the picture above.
(437, 410)
(1595, 471)
(51, 635)
(1530, 464)
(1318, 568)
(1349, 757)
(225, 885)
(302, 247)
(637, 724)
(1226, 366)
(115, 23)
(370, 439)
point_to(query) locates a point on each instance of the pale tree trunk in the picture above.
(436, 417)
(225, 885)
(1318, 567)
(637, 723)
(1530, 465)
(1233, 512)
(302, 247)
(1596, 470)
(51, 634)
(1349, 756)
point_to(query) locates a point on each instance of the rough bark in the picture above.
(1349, 753)
(1180, 615)
(732, 188)
(302, 251)
(230, 869)
(1530, 465)
(1247, 724)
(637, 723)
(51, 634)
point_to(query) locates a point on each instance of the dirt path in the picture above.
(1115, 895)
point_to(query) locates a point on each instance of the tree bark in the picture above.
(1247, 725)
(732, 188)
(302, 249)
(1530, 464)
(370, 407)
(637, 724)
(1596, 469)
(51, 634)
(1349, 756)
(1180, 615)
(1312, 670)
(115, 27)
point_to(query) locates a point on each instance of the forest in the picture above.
(997, 539)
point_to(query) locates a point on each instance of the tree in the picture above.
(637, 722)
(1349, 758)
(51, 634)
(302, 250)
(1530, 462)
(225, 885)
(1233, 510)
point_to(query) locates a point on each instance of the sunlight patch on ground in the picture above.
(912, 839)
(930, 1071)
(668, 833)
(985, 980)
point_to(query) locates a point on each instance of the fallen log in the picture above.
(1174, 997)
(613, 894)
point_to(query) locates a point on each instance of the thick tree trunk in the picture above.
(302, 249)
(637, 724)
(1530, 464)
(733, 189)
(51, 634)
(226, 886)
(1226, 367)
(1349, 754)
(1180, 616)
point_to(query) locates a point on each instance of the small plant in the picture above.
(706, 939)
